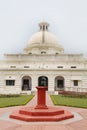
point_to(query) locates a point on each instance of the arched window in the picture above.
(26, 83)
(43, 81)
(59, 83)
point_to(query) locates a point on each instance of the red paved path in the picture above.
(78, 125)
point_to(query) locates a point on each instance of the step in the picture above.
(30, 118)
(51, 111)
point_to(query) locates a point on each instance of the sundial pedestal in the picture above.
(41, 97)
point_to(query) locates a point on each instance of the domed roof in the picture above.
(43, 40)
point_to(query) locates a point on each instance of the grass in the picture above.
(69, 101)
(14, 100)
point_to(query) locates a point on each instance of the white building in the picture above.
(43, 63)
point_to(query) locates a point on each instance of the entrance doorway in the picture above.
(26, 83)
(43, 81)
(59, 83)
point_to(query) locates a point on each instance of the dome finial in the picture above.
(43, 26)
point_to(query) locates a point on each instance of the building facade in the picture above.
(43, 63)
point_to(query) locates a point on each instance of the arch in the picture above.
(43, 81)
(26, 83)
(59, 83)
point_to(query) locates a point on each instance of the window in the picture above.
(43, 28)
(60, 83)
(43, 52)
(40, 27)
(26, 66)
(59, 66)
(46, 28)
(12, 66)
(30, 53)
(10, 82)
(73, 66)
(75, 82)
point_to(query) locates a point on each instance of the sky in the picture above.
(19, 21)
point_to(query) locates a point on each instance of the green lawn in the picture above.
(69, 101)
(7, 101)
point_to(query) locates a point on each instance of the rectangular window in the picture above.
(26, 66)
(43, 52)
(73, 66)
(59, 66)
(75, 82)
(12, 66)
(10, 82)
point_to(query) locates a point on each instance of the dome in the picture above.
(43, 40)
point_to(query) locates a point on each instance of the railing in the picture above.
(76, 89)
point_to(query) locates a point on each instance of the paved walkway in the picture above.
(11, 124)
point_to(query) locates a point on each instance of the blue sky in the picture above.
(19, 20)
